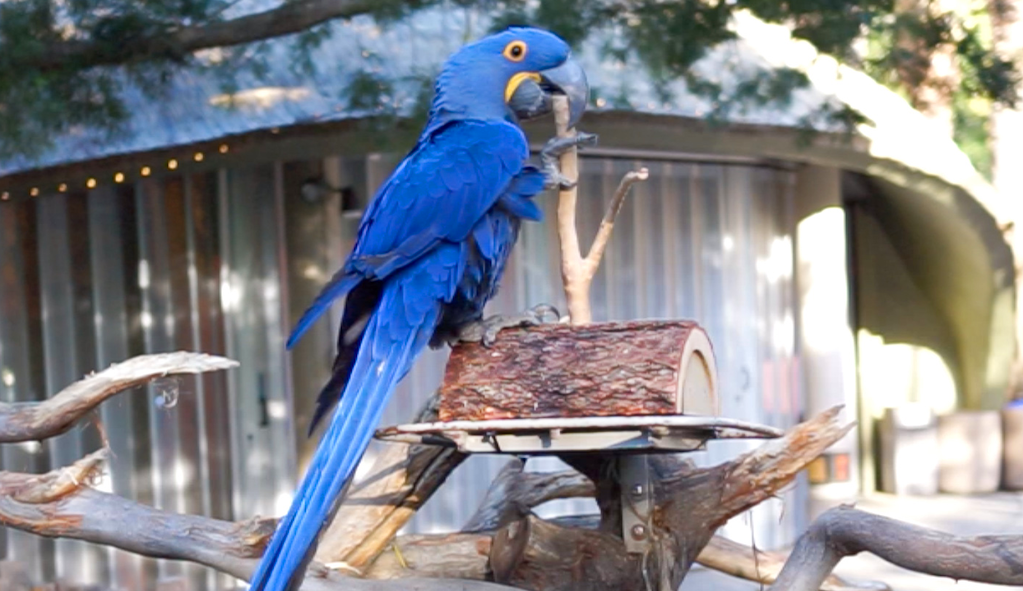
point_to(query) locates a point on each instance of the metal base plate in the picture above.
(556, 435)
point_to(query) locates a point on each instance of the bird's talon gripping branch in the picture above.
(553, 150)
(485, 331)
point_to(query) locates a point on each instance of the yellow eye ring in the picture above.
(515, 51)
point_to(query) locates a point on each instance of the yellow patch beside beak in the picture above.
(514, 81)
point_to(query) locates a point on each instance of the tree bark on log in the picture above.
(844, 531)
(606, 369)
(61, 505)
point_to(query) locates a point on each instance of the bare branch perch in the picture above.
(844, 531)
(607, 224)
(758, 475)
(60, 505)
(572, 273)
(577, 271)
(33, 421)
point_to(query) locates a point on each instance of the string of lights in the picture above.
(119, 177)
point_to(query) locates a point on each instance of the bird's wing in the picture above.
(438, 193)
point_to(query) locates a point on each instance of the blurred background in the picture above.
(833, 193)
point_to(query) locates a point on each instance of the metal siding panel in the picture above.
(208, 335)
(20, 381)
(64, 340)
(262, 442)
(107, 227)
(185, 412)
(156, 277)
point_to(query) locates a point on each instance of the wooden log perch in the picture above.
(604, 369)
(844, 531)
(34, 421)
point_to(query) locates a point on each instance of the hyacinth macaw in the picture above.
(430, 251)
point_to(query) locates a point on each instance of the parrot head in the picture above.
(515, 72)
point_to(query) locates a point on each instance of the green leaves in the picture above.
(49, 51)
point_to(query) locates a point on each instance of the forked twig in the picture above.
(577, 271)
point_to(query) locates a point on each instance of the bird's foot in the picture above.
(553, 150)
(485, 331)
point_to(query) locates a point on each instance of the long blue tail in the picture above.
(399, 330)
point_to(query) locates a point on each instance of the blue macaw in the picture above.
(429, 254)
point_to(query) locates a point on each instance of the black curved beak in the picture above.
(532, 98)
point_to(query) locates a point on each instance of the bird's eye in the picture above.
(515, 51)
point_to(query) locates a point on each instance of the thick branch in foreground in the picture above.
(691, 505)
(844, 531)
(35, 421)
(60, 505)
(176, 43)
(402, 478)
(515, 492)
(760, 566)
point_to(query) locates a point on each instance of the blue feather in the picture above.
(429, 253)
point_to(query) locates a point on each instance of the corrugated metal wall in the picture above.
(223, 262)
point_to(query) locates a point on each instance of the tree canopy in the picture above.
(62, 62)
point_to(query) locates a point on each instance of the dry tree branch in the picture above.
(739, 560)
(60, 505)
(402, 478)
(465, 555)
(577, 271)
(844, 531)
(34, 421)
(514, 492)
(380, 506)
(593, 257)
(573, 275)
(692, 503)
